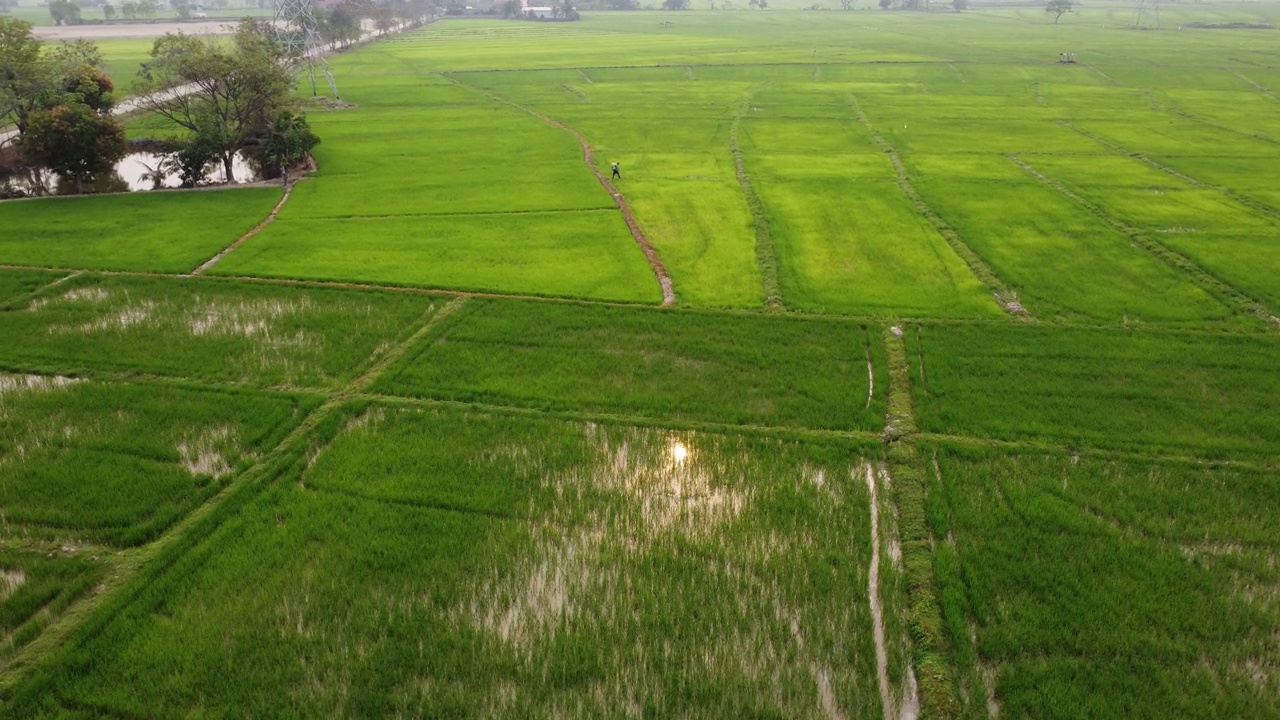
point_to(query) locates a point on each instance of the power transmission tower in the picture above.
(296, 28)
(1148, 10)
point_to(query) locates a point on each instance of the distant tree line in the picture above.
(913, 5)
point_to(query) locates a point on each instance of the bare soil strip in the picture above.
(873, 594)
(1229, 295)
(766, 255)
(871, 379)
(655, 262)
(1005, 296)
(270, 218)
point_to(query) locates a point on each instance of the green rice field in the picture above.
(905, 373)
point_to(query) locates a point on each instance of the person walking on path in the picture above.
(616, 173)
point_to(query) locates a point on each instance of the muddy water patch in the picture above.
(206, 454)
(12, 384)
(10, 580)
(90, 295)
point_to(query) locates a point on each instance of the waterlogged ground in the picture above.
(498, 567)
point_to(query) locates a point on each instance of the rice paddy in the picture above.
(963, 407)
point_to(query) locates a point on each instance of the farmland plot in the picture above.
(653, 364)
(1091, 588)
(117, 463)
(159, 231)
(1201, 394)
(188, 328)
(514, 568)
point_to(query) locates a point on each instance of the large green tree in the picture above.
(223, 95)
(74, 141)
(36, 77)
(1058, 8)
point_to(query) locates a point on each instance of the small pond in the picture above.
(133, 173)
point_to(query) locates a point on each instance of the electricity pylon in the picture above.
(296, 28)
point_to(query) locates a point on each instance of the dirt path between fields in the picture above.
(588, 157)
(655, 262)
(270, 218)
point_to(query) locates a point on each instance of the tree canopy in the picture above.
(227, 94)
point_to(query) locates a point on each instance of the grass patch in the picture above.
(155, 231)
(1207, 395)
(120, 463)
(655, 364)
(1056, 570)
(579, 254)
(200, 328)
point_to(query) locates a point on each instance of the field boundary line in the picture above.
(1256, 85)
(766, 253)
(588, 159)
(433, 317)
(17, 300)
(1005, 297)
(457, 213)
(270, 218)
(475, 71)
(644, 421)
(1103, 75)
(932, 659)
(1188, 179)
(1188, 115)
(1223, 291)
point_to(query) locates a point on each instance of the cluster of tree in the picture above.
(229, 98)
(912, 5)
(340, 26)
(560, 10)
(144, 10)
(59, 99)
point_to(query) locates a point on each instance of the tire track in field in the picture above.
(1006, 297)
(1215, 286)
(270, 218)
(650, 254)
(766, 254)
(1261, 207)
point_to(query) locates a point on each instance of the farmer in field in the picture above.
(616, 173)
